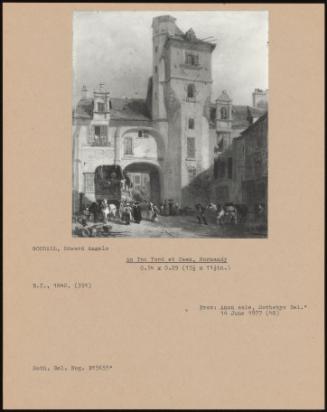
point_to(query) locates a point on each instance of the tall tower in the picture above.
(162, 28)
(181, 95)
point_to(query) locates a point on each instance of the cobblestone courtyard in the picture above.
(176, 227)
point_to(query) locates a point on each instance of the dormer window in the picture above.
(100, 107)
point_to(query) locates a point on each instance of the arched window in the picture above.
(190, 90)
(223, 113)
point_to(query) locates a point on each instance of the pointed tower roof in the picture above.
(224, 97)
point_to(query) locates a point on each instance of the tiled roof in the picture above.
(261, 119)
(241, 116)
(84, 109)
(127, 109)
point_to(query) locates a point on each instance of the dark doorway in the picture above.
(108, 183)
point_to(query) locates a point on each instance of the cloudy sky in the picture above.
(116, 47)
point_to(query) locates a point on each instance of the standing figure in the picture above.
(136, 210)
(139, 211)
(200, 213)
(166, 208)
(221, 216)
(105, 210)
(126, 214)
(94, 211)
(155, 213)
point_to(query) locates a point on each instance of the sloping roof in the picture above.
(127, 109)
(241, 116)
(257, 111)
(84, 109)
(262, 118)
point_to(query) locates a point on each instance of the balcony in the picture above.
(100, 141)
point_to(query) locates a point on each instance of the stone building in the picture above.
(230, 121)
(250, 154)
(161, 144)
(165, 136)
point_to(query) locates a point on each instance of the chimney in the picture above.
(84, 92)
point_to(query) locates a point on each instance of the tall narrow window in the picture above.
(140, 133)
(230, 168)
(128, 146)
(190, 147)
(223, 113)
(190, 91)
(191, 123)
(89, 182)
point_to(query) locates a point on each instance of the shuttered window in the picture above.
(128, 146)
(89, 182)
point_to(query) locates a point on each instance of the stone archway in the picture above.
(145, 178)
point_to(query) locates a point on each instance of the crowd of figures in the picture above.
(127, 212)
(228, 213)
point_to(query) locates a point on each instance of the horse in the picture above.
(108, 210)
(112, 210)
(212, 207)
(221, 216)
